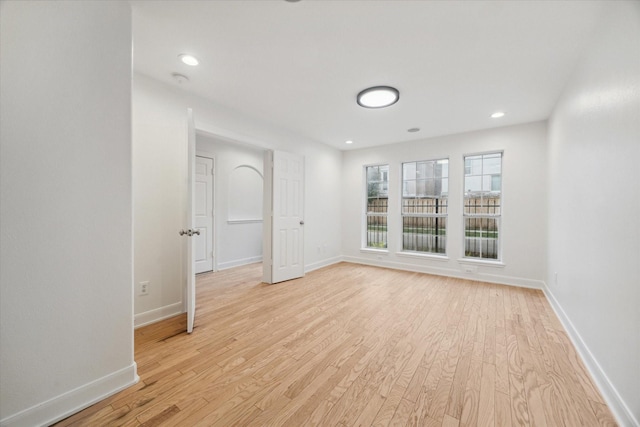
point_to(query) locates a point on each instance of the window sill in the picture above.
(419, 255)
(486, 263)
(375, 251)
(244, 221)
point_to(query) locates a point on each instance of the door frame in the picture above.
(226, 135)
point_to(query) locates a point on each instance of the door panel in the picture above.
(204, 256)
(288, 219)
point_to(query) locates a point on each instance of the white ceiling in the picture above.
(300, 65)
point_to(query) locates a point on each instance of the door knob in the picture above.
(301, 222)
(189, 232)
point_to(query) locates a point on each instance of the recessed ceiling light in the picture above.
(413, 130)
(348, 142)
(497, 115)
(189, 59)
(378, 97)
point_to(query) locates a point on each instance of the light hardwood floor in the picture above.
(356, 345)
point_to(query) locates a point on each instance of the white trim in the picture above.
(498, 217)
(321, 264)
(66, 404)
(483, 262)
(239, 262)
(614, 401)
(244, 221)
(375, 251)
(423, 255)
(158, 314)
(440, 271)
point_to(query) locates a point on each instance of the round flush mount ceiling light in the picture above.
(378, 97)
(188, 59)
(348, 142)
(497, 114)
(412, 130)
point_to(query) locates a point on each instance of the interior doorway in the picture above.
(204, 214)
(238, 192)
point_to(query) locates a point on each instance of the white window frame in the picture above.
(404, 251)
(497, 217)
(367, 214)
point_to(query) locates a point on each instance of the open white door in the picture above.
(286, 252)
(191, 226)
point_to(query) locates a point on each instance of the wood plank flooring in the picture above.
(353, 345)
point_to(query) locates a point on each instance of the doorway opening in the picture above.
(237, 207)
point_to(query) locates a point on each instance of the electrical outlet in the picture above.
(143, 288)
(470, 269)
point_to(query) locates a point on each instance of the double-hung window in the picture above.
(425, 192)
(377, 206)
(482, 205)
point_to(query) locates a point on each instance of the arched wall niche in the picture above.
(245, 194)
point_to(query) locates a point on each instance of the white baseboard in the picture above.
(66, 404)
(616, 404)
(158, 314)
(320, 264)
(239, 262)
(440, 271)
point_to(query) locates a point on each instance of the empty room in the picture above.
(319, 213)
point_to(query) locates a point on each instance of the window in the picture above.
(482, 205)
(425, 190)
(377, 206)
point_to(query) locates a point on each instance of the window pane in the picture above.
(409, 189)
(433, 206)
(491, 164)
(496, 183)
(377, 187)
(426, 179)
(479, 204)
(408, 171)
(376, 231)
(481, 238)
(473, 183)
(473, 165)
(482, 205)
(425, 170)
(377, 205)
(424, 234)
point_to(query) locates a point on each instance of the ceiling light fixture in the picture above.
(497, 115)
(413, 130)
(188, 59)
(348, 142)
(378, 97)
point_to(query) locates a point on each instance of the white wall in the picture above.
(236, 242)
(159, 171)
(66, 306)
(524, 195)
(594, 209)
